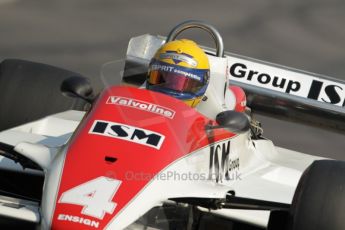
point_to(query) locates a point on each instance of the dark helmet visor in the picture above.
(180, 79)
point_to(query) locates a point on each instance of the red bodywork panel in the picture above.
(241, 99)
(183, 129)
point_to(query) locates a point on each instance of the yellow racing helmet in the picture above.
(180, 68)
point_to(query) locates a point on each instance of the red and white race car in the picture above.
(130, 158)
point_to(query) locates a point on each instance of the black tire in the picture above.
(319, 200)
(30, 91)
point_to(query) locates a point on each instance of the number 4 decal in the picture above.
(95, 196)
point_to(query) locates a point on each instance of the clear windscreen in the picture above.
(120, 72)
(112, 73)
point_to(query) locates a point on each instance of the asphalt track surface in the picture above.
(81, 35)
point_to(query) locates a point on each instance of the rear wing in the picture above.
(272, 90)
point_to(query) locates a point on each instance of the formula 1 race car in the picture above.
(130, 158)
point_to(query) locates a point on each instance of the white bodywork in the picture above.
(265, 172)
(39, 141)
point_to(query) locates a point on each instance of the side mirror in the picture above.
(235, 122)
(79, 87)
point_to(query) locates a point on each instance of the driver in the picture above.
(180, 68)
